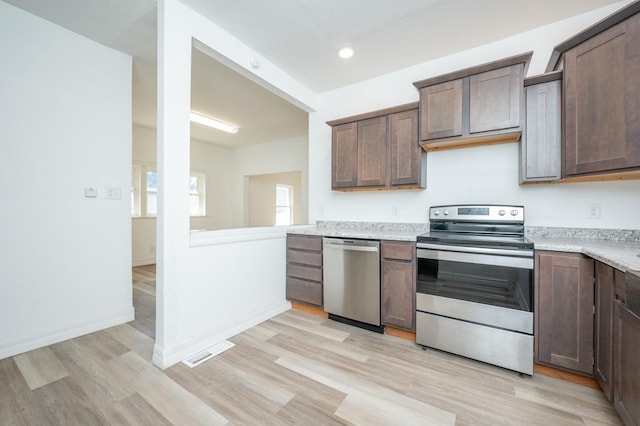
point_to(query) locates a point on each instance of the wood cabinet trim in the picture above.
(543, 78)
(590, 32)
(512, 60)
(490, 138)
(373, 114)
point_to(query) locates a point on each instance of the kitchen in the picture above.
(453, 176)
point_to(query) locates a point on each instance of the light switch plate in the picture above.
(90, 192)
(112, 193)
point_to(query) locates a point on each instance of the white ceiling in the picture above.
(302, 37)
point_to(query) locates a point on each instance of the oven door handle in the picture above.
(480, 259)
(480, 250)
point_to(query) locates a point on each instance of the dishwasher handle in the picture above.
(351, 248)
(352, 245)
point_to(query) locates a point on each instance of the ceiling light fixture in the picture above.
(212, 122)
(345, 52)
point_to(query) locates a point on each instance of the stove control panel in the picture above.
(477, 213)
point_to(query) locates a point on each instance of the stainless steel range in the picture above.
(475, 285)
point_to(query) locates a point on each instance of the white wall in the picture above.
(262, 197)
(484, 174)
(216, 162)
(65, 124)
(210, 292)
(225, 169)
(290, 155)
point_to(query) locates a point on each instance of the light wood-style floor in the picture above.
(296, 368)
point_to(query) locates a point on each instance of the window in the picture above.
(151, 189)
(135, 191)
(197, 206)
(144, 192)
(284, 205)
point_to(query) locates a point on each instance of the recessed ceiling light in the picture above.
(212, 122)
(345, 52)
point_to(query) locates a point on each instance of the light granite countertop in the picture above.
(362, 233)
(617, 248)
(622, 255)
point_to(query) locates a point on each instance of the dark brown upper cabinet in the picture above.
(541, 143)
(601, 96)
(344, 152)
(476, 106)
(378, 150)
(373, 147)
(441, 113)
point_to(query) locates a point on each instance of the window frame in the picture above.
(288, 206)
(140, 191)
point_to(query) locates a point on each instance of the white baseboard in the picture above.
(30, 344)
(165, 358)
(142, 262)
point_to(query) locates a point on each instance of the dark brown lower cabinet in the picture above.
(398, 284)
(564, 311)
(603, 368)
(304, 269)
(627, 371)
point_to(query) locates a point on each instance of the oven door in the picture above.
(477, 302)
(496, 277)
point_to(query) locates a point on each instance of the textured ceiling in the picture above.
(302, 37)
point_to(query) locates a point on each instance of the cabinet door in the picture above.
(603, 338)
(405, 148)
(564, 311)
(541, 139)
(627, 348)
(441, 110)
(373, 152)
(602, 100)
(494, 99)
(398, 294)
(344, 156)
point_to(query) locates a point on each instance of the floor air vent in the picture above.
(208, 353)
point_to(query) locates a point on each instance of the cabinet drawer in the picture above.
(304, 242)
(304, 291)
(311, 258)
(398, 250)
(305, 272)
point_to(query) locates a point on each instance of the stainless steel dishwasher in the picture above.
(351, 281)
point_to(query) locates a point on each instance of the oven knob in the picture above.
(502, 212)
(446, 212)
(514, 212)
(436, 213)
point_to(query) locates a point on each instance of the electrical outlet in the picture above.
(394, 210)
(593, 211)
